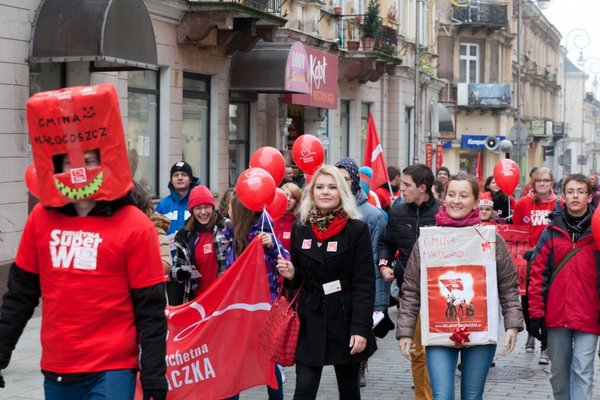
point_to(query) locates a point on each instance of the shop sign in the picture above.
(297, 70)
(429, 155)
(476, 141)
(323, 71)
(538, 127)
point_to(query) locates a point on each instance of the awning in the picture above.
(263, 69)
(114, 34)
(445, 126)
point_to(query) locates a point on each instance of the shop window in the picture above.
(344, 128)
(469, 63)
(365, 109)
(195, 130)
(239, 136)
(46, 76)
(142, 128)
(468, 162)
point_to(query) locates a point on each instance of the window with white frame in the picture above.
(469, 63)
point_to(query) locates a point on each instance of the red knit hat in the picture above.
(200, 195)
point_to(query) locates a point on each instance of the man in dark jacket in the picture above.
(402, 231)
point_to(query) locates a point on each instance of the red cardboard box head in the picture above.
(71, 124)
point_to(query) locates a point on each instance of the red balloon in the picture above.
(596, 226)
(271, 160)
(308, 178)
(255, 188)
(308, 153)
(279, 205)
(31, 180)
(507, 175)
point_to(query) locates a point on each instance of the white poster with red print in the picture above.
(212, 344)
(459, 292)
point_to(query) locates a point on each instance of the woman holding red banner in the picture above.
(460, 210)
(200, 247)
(245, 226)
(329, 261)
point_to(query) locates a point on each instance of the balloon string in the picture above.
(268, 218)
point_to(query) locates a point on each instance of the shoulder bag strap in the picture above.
(562, 263)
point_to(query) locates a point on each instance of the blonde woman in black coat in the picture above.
(330, 261)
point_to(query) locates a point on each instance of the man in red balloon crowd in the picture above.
(564, 292)
(90, 254)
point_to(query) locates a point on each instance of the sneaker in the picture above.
(363, 373)
(282, 371)
(544, 360)
(530, 344)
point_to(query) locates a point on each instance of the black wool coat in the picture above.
(328, 321)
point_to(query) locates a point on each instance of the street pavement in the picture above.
(518, 376)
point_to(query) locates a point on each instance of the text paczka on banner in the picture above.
(212, 345)
(458, 285)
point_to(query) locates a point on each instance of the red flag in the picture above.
(452, 284)
(374, 156)
(212, 346)
(439, 156)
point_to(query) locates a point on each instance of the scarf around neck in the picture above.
(576, 225)
(326, 225)
(443, 219)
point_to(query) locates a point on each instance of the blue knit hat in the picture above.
(350, 165)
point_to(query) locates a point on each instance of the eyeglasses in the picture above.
(543, 180)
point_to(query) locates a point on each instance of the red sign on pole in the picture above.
(439, 159)
(429, 155)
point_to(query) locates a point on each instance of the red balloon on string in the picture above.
(308, 153)
(596, 226)
(279, 205)
(507, 175)
(255, 188)
(308, 178)
(31, 180)
(271, 160)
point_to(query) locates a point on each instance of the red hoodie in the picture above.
(528, 212)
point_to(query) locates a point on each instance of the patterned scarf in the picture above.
(326, 225)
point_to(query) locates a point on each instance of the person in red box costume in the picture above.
(89, 254)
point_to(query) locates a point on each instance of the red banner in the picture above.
(429, 155)
(517, 239)
(439, 156)
(212, 345)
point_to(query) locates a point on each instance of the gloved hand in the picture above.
(535, 327)
(182, 275)
(155, 394)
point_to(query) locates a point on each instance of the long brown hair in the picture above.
(242, 219)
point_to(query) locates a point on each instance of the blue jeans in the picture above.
(109, 385)
(274, 394)
(475, 364)
(572, 355)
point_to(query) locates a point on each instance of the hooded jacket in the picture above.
(572, 299)
(175, 207)
(528, 212)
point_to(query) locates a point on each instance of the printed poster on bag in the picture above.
(459, 295)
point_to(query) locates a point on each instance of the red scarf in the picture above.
(443, 219)
(335, 227)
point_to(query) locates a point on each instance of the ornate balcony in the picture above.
(480, 14)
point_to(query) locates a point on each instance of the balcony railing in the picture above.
(353, 37)
(268, 6)
(483, 14)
